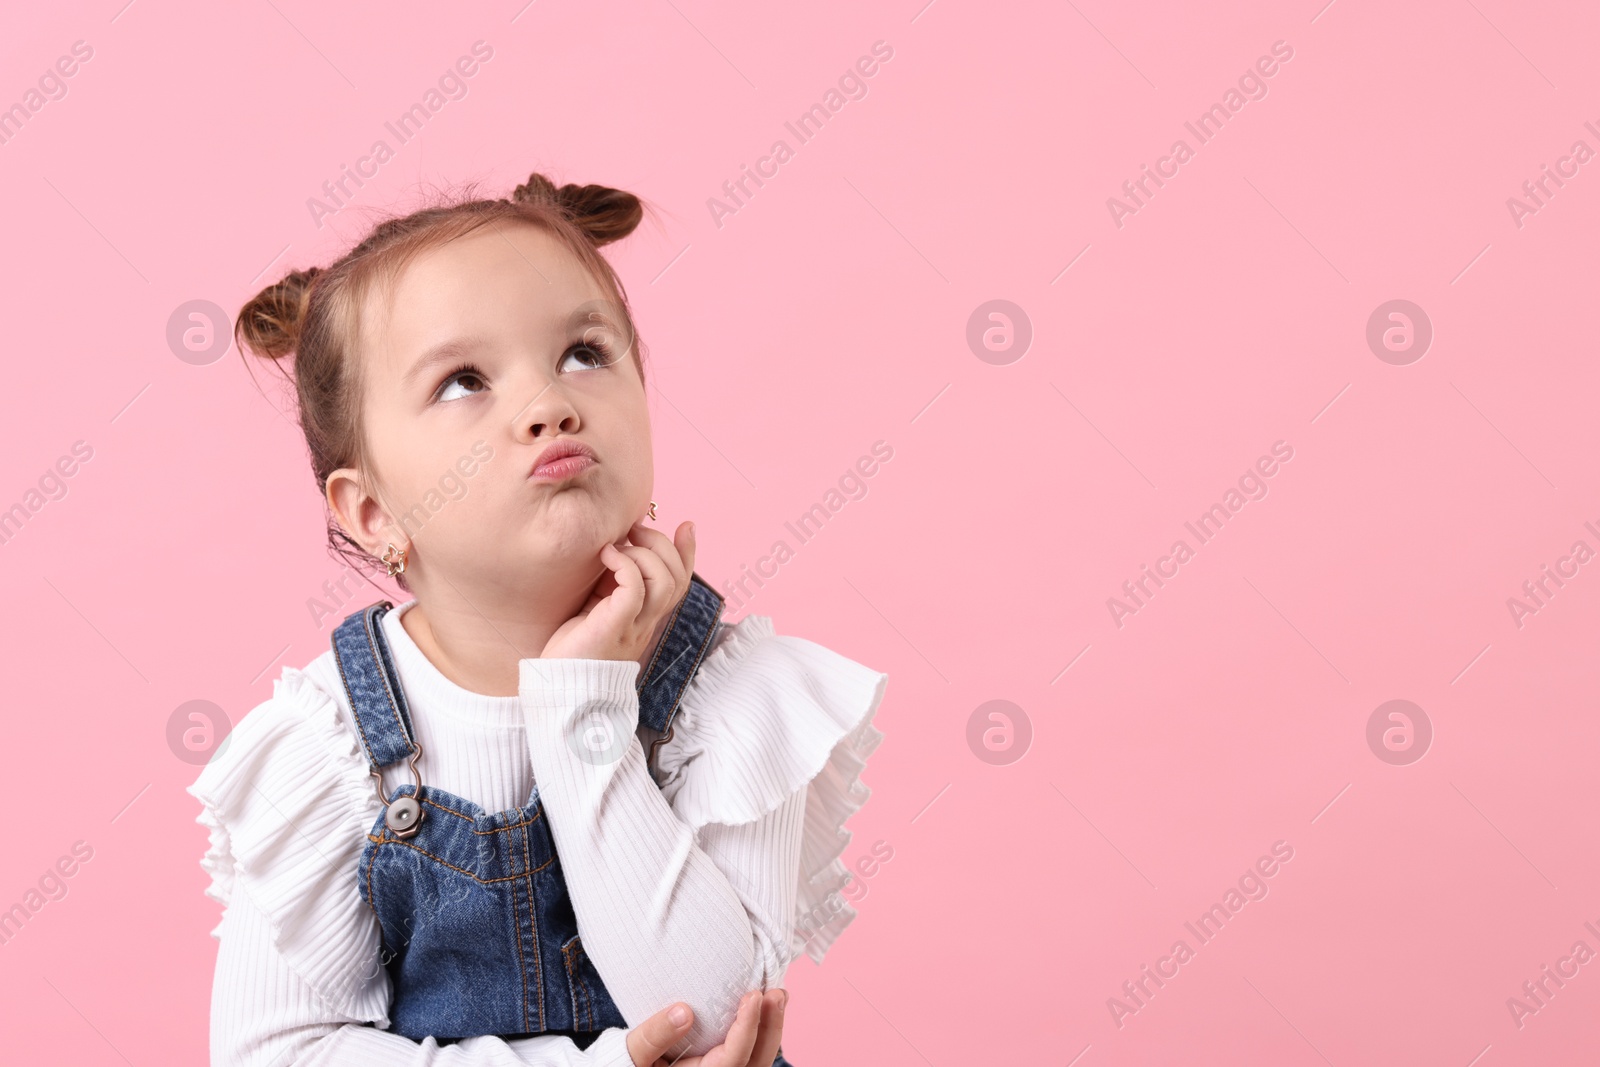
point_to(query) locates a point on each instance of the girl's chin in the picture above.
(552, 545)
(580, 517)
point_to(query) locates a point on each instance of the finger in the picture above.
(685, 540)
(630, 592)
(656, 541)
(659, 587)
(653, 1038)
(735, 1048)
(657, 571)
(605, 584)
(770, 1033)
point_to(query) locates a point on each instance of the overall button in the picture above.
(404, 816)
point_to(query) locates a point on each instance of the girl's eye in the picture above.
(591, 354)
(467, 380)
(462, 382)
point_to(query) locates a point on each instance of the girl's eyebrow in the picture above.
(445, 351)
(586, 314)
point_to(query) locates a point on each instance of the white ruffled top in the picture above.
(760, 776)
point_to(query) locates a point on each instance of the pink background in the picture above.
(831, 312)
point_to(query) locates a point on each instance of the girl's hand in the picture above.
(646, 580)
(752, 1041)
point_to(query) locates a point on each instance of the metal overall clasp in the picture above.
(404, 815)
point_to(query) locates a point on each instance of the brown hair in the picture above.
(316, 313)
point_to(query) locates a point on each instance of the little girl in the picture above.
(552, 796)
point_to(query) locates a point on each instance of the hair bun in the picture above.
(536, 188)
(604, 214)
(269, 324)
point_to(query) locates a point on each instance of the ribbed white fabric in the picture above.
(699, 889)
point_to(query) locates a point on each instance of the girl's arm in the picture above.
(264, 1015)
(663, 915)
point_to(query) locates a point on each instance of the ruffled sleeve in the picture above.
(286, 802)
(768, 715)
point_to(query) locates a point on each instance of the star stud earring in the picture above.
(394, 560)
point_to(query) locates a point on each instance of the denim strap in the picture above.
(370, 681)
(678, 655)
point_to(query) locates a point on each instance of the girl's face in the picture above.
(496, 346)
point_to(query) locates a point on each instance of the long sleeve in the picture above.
(263, 1014)
(660, 916)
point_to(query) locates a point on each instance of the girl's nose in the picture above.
(547, 414)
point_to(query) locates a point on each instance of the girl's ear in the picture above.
(360, 514)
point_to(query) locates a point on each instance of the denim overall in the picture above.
(479, 936)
